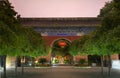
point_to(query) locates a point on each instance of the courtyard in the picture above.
(62, 72)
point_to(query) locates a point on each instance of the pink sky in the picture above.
(58, 8)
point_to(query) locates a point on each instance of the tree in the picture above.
(104, 40)
(38, 46)
(7, 36)
(15, 39)
(111, 17)
(76, 47)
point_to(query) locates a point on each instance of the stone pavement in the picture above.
(62, 72)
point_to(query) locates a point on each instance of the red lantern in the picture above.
(62, 44)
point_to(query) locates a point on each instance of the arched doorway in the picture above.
(60, 52)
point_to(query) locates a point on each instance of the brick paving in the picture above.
(62, 72)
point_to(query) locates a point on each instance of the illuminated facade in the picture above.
(61, 32)
(66, 30)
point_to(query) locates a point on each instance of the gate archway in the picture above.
(60, 52)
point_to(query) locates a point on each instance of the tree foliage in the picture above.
(104, 41)
(76, 47)
(16, 39)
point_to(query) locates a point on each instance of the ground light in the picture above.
(10, 62)
(116, 64)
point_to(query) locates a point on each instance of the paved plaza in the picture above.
(62, 72)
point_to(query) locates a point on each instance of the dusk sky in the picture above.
(58, 8)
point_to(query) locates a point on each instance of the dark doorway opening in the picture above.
(60, 53)
(94, 59)
(119, 56)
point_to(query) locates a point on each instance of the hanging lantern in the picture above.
(62, 44)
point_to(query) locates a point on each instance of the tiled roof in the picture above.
(61, 22)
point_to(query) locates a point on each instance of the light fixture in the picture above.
(62, 44)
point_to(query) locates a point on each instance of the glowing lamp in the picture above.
(62, 44)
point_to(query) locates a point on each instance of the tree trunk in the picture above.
(16, 62)
(22, 64)
(102, 66)
(109, 65)
(4, 66)
(73, 60)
